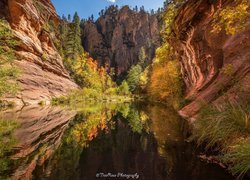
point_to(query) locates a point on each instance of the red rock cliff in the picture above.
(43, 74)
(204, 55)
(117, 37)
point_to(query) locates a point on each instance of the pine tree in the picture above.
(142, 56)
(133, 78)
(73, 46)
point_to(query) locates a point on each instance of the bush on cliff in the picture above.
(8, 73)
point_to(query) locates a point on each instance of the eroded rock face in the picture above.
(116, 38)
(43, 74)
(205, 55)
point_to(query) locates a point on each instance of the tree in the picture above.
(142, 56)
(165, 81)
(69, 17)
(73, 47)
(124, 88)
(134, 77)
(92, 18)
(136, 8)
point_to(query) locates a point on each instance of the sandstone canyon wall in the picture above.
(117, 36)
(43, 74)
(205, 55)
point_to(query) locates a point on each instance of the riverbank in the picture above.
(89, 95)
(225, 131)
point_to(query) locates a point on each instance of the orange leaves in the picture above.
(92, 133)
(92, 63)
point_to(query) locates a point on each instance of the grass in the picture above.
(89, 95)
(226, 130)
(238, 157)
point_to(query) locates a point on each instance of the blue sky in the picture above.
(87, 7)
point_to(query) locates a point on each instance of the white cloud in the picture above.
(112, 1)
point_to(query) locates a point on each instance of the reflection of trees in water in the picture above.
(90, 122)
(126, 138)
(7, 142)
(37, 135)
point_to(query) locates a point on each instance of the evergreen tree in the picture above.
(133, 78)
(73, 45)
(124, 88)
(69, 17)
(92, 18)
(142, 56)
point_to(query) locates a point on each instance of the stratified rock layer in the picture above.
(116, 38)
(204, 56)
(43, 74)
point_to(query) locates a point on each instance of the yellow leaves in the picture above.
(168, 17)
(228, 69)
(86, 72)
(143, 81)
(163, 53)
(232, 19)
(165, 80)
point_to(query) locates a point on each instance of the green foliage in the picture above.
(87, 95)
(216, 127)
(8, 73)
(134, 121)
(232, 19)
(238, 156)
(168, 17)
(133, 78)
(7, 43)
(225, 130)
(144, 79)
(142, 56)
(44, 57)
(71, 38)
(123, 89)
(7, 142)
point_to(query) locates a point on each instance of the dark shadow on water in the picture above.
(124, 138)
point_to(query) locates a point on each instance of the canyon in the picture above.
(97, 130)
(116, 38)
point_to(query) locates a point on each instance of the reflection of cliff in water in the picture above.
(38, 135)
(55, 143)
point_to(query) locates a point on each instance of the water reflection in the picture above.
(59, 143)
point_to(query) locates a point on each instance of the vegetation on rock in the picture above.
(8, 72)
(232, 19)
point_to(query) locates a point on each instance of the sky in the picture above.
(86, 8)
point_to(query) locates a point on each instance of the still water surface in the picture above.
(141, 140)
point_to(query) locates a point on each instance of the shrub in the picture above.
(232, 19)
(8, 73)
